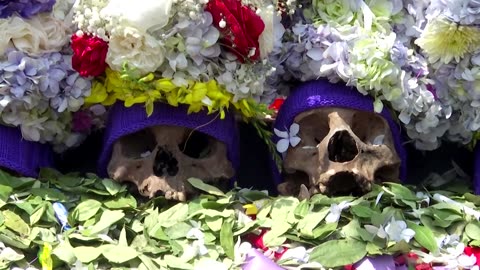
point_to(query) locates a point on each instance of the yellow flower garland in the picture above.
(148, 90)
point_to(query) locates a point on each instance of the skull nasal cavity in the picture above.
(165, 163)
(342, 147)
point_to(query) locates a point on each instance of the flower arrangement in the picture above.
(419, 58)
(40, 91)
(79, 222)
(206, 54)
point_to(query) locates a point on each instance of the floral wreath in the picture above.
(205, 54)
(420, 58)
(40, 91)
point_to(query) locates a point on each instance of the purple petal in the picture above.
(257, 261)
(384, 262)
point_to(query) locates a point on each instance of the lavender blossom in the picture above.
(25, 8)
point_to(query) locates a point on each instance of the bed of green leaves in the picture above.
(110, 229)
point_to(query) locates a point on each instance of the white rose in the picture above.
(273, 32)
(35, 36)
(140, 14)
(141, 51)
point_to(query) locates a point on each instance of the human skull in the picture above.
(341, 152)
(160, 160)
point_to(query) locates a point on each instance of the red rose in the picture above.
(423, 266)
(276, 104)
(89, 55)
(475, 251)
(240, 27)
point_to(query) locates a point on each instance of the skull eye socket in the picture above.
(367, 126)
(135, 145)
(196, 145)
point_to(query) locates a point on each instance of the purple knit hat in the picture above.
(321, 93)
(476, 173)
(22, 156)
(123, 121)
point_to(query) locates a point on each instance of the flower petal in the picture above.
(281, 134)
(294, 141)
(282, 145)
(294, 129)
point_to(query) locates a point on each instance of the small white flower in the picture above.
(378, 231)
(466, 262)
(299, 254)
(397, 231)
(336, 211)
(288, 138)
(424, 197)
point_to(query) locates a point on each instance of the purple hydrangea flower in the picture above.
(25, 8)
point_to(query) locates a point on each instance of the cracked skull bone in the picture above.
(341, 151)
(161, 159)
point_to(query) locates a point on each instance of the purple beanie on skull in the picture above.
(22, 156)
(321, 93)
(123, 121)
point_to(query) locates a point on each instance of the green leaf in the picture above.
(363, 211)
(178, 231)
(64, 251)
(176, 263)
(85, 210)
(119, 254)
(107, 219)
(424, 236)
(15, 223)
(49, 194)
(283, 206)
(149, 264)
(338, 253)
(38, 213)
(121, 202)
(278, 229)
(226, 238)
(86, 254)
(324, 230)
(402, 192)
(112, 187)
(302, 209)
(473, 230)
(173, 215)
(214, 223)
(5, 192)
(199, 184)
(311, 220)
(122, 239)
(475, 199)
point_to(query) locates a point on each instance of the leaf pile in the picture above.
(109, 229)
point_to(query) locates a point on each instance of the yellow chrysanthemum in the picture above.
(444, 41)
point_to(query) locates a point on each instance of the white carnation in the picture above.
(141, 51)
(38, 35)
